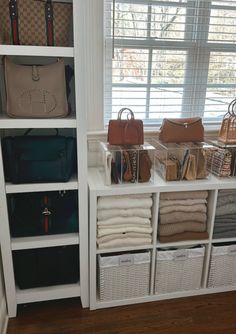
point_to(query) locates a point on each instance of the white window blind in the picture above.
(171, 58)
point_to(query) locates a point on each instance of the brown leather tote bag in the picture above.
(36, 91)
(180, 130)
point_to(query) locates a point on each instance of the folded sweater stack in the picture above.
(124, 221)
(225, 217)
(183, 216)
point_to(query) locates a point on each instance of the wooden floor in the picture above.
(212, 314)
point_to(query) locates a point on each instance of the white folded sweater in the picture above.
(123, 229)
(123, 203)
(124, 220)
(111, 213)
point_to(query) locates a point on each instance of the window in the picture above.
(173, 58)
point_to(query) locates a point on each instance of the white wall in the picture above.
(3, 309)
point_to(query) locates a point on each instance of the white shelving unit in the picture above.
(77, 122)
(97, 189)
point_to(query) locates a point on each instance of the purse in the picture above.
(125, 132)
(227, 133)
(43, 213)
(39, 158)
(35, 22)
(181, 130)
(145, 165)
(36, 91)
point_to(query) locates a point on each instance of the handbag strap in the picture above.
(29, 130)
(49, 22)
(131, 114)
(231, 108)
(13, 12)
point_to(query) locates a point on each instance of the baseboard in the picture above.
(3, 317)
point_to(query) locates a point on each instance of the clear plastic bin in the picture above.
(128, 164)
(183, 161)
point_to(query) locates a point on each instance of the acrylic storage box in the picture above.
(128, 164)
(124, 276)
(178, 270)
(182, 161)
(222, 266)
(221, 159)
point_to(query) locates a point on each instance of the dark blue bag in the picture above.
(39, 158)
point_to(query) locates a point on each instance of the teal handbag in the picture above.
(29, 159)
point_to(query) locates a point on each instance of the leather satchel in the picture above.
(36, 91)
(181, 130)
(35, 22)
(125, 132)
(39, 158)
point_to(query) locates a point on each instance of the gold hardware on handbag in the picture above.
(227, 134)
(181, 130)
(125, 132)
(36, 91)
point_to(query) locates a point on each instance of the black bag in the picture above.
(43, 213)
(39, 158)
(46, 266)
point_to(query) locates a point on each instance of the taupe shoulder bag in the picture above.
(36, 91)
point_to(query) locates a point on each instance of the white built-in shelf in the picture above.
(11, 188)
(48, 293)
(224, 240)
(123, 249)
(17, 123)
(42, 51)
(182, 243)
(45, 241)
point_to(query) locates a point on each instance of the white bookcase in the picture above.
(97, 189)
(76, 123)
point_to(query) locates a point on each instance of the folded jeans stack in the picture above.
(124, 221)
(225, 217)
(183, 216)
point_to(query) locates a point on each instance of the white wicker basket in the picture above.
(222, 266)
(178, 270)
(124, 276)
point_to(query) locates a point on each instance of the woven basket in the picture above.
(178, 270)
(123, 276)
(227, 133)
(222, 266)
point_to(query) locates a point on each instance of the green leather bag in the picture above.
(39, 158)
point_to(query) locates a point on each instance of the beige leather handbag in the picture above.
(36, 91)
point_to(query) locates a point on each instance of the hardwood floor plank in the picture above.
(210, 314)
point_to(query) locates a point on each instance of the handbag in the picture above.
(227, 133)
(145, 165)
(125, 132)
(35, 22)
(36, 91)
(43, 213)
(39, 158)
(181, 130)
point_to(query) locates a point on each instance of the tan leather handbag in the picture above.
(125, 132)
(35, 22)
(181, 130)
(36, 91)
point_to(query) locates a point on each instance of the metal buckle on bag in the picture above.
(46, 212)
(185, 125)
(35, 73)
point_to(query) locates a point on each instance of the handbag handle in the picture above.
(29, 130)
(231, 107)
(130, 113)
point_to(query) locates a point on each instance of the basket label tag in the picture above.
(181, 255)
(232, 250)
(126, 260)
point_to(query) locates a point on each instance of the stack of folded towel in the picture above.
(183, 216)
(124, 221)
(225, 217)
